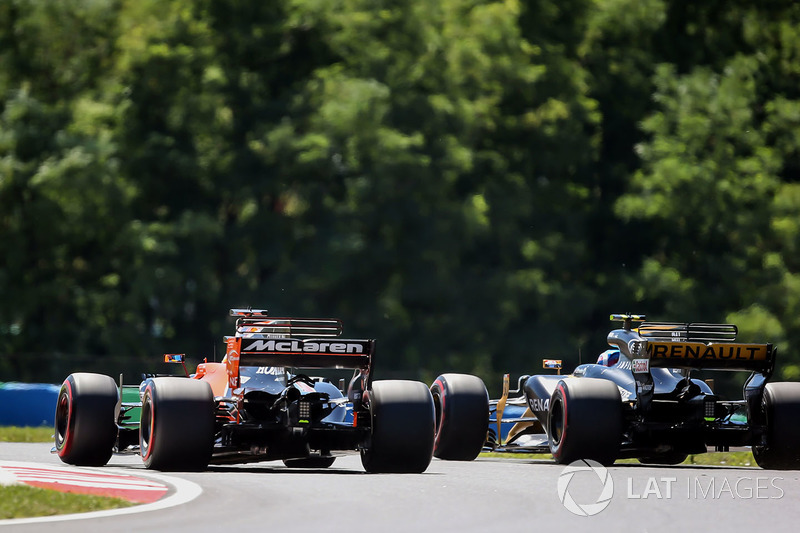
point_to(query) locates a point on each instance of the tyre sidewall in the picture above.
(780, 407)
(585, 420)
(402, 427)
(462, 413)
(85, 428)
(176, 430)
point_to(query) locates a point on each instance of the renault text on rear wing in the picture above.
(716, 356)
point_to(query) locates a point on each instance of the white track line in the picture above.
(185, 491)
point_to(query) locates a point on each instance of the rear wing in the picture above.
(255, 322)
(309, 343)
(699, 332)
(709, 346)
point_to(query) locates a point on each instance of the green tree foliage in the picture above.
(475, 183)
(62, 198)
(718, 181)
(432, 139)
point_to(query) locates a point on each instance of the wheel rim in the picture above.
(63, 415)
(557, 420)
(437, 416)
(146, 426)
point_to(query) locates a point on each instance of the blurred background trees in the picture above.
(477, 184)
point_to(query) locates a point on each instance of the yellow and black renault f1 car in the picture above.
(641, 401)
(253, 406)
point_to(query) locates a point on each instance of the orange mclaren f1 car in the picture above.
(256, 405)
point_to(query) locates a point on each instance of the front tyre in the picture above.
(177, 424)
(461, 405)
(585, 421)
(780, 407)
(85, 428)
(402, 428)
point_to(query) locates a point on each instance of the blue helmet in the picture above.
(609, 358)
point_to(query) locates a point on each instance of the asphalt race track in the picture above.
(484, 495)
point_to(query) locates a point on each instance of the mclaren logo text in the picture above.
(295, 346)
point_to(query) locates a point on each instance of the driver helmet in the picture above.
(609, 358)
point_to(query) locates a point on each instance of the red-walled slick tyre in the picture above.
(585, 421)
(85, 429)
(402, 427)
(781, 412)
(462, 412)
(177, 425)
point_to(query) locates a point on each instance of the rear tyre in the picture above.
(780, 407)
(401, 436)
(177, 425)
(585, 421)
(461, 405)
(85, 427)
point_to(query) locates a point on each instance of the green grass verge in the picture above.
(722, 459)
(22, 501)
(26, 434)
(705, 459)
